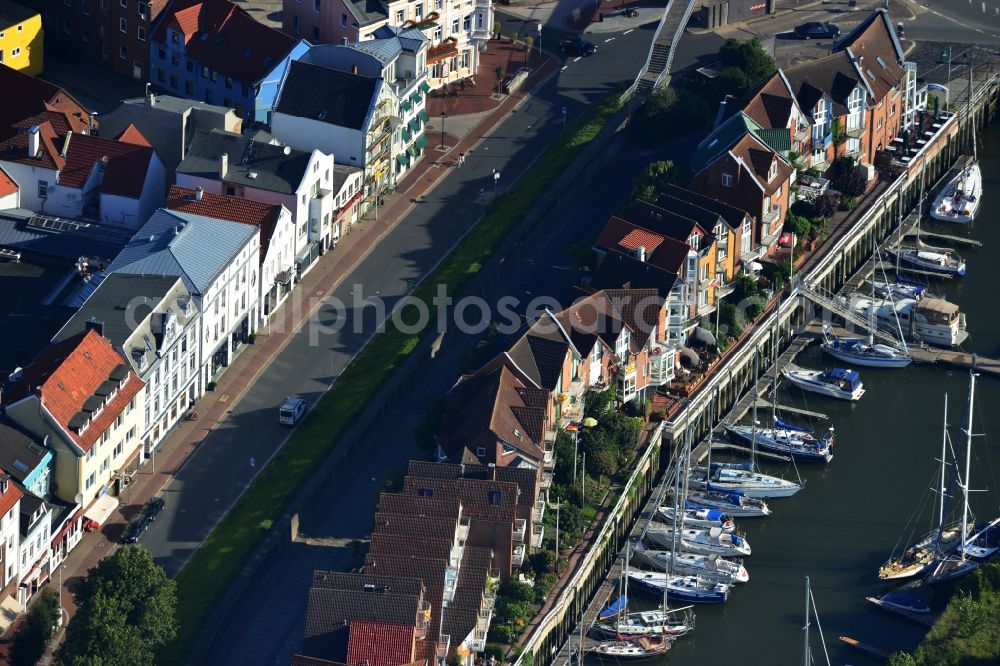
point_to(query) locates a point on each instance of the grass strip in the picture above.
(214, 566)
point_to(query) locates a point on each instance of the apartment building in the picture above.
(21, 38)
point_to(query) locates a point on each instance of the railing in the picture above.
(423, 615)
(546, 480)
(520, 528)
(652, 45)
(771, 217)
(677, 38)
(443, 645)
(537, 534)
(518, 558)
(539, 511)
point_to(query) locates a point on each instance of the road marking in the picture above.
(984, 7)
(565, 67)
(611, 39)
(577, 59)
(628, 31)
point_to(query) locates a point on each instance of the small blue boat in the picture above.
(614, 609)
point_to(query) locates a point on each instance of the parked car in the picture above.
(817, 30)
(153, 507)
(577, 46)
(136, 528)
(292, 409)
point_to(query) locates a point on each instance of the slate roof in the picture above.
(769, 103)
(35, 96)
(341, 172)
(474, 494)
(193, 247)
(20, 453)
(623, 236)
(778, 139)
(122, 302)
(621, 271)
(666, 222)
(834, 75)
(410, 39)
(224, 37)
(264, 216)
(540, 351)
(731, 214)
(367, 11)
(380, 643)
(255, 164)
(351, 582)
(7, 184)
(30, 503)
(404, 524)
(68, 374)
(127, 164)
(491, 406)
(439, 507)
(329, 95)
(874, 40)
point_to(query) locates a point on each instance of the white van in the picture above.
(291, 410)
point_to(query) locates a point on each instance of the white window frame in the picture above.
(727, 180)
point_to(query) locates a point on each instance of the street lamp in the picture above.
(444, 115)
(539, 26)
(496, 181)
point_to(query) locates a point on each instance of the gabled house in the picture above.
(38, 101)
(21, 38)
(81, 395)
(277, 237)
(218, 53)
(251, 167)
(347, 114)
(737, 245)
(152, 321)
(751, 175)
(10, 542)
(27, 457)
(36, 532)
(771, 104)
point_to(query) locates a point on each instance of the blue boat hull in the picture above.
(677, 595)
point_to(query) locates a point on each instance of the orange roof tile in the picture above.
(637, 238)
(225, 207)
(10, 498)
(379, 643)
(131, 134)
(15, 149)
(7, 184)
(127, 166)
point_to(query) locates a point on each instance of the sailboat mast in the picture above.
(975, 153)
(805, 643)
(871, 305)
(944, 452)
(968, 457)
(753, 427)
(774, 364)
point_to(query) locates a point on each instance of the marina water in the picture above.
(846, 521)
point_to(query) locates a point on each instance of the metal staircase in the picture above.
(835, 305)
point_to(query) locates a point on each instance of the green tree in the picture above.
(542, 562)
(125, 610)
(499, 71)
(749, 56)
(602, 463)
(837, 132)
(651, 180)
(902, 659)
(39, 624)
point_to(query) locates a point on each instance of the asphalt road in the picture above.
(219, 470)
(960, 21)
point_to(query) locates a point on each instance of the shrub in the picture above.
(545, 585)
(798, 225)
(849, 203)
(825, 205)
(542, 562)
(37, 629)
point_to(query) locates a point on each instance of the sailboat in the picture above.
(736, 504)
(899, 290)
(920, 555)
(711, 541)
(960, 198)
(633, 649)
(984, 544)
(838, 383)
(807, 659)
(951, 565)
(707, 567)
(698, 518)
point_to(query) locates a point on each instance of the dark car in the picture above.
(136, 528)
(817, 30)
(153, 507)
(577, 46)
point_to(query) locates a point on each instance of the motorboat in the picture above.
(708, 567)
(931, 320)
(901, 602)
(786, 440)
(695, 517)
(735, 504)
(671, 622)
(711, 541)
(931, 260)
(959, 200)
(688, 589)
(741, 478)
(632, 649)
(984, 543)
(835, 383)
(867, 353)
(899, 290)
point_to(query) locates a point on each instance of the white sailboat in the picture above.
(839, 383)
(711, 541)
(807, 659)
(706, 518)
(960, 198)
(708, 567)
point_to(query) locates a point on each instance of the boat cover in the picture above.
(788, 426)
(614, 608)
(852, 377)
(905, 600)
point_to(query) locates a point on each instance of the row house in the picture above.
(10, 540)
(746, 166)
(277, 238)
(218, 262)
(116, 182)
(218, 53)
(399, 58)
(152, 321)
(346, 114)
(252, 166)
(365, 618)
(21, 38)
(80, 395)
(456, 31)
(112, 33)
(169, 124)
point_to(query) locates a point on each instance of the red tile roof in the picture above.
(15, 149)
(7, 185)
(758, 157)
(225, 207)
(224, 37)
(10, 498)
(379, 644)
(874, 43)
(637, 238)
(668, 253)
(128, 164)
(68, 373)
(34, 96)
(131, 134)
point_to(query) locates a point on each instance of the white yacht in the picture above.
(931, 320)
(836, 382)
(959, 200)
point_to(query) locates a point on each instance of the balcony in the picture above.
(443, 645)
(539, 511)
(855, 132)
(705, 309)
(550, 449)
(546, 480)
(803, 133)
(771, 217)
(537, 533)
(520, 528)
(519, 551)
(423, 619)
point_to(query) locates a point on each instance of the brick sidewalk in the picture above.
(330, 270)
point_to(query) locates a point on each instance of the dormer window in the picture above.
(496, 497)
(480, 451)
(694, 241)
(773, 171)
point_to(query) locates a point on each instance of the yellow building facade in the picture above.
(21, 38)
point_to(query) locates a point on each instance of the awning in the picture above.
(9, 610)
(691, 355)
(704, 335)
(101, 509)
(755, 266)
(407, 134)
(415, 124)
(412, 150)
(406, 105)
(423, 116)
(424, 86)
(415, 98)
(420, 142)
(403, 160)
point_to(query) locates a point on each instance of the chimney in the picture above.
(223, 165)
(354, 70)
(3, 484)
(94, 325)
(198, 193)
(34, 141)
(640, 253)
